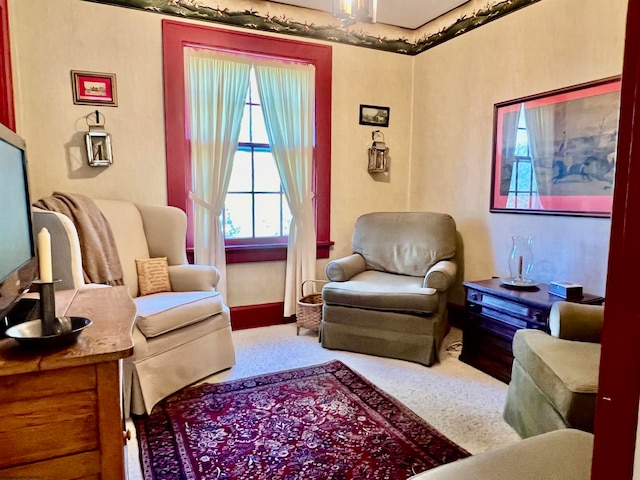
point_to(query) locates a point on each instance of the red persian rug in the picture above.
(320, 422)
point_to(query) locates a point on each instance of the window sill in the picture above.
(264, 252)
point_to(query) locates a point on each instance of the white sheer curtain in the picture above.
(509, 138)
(541, 130)
(288, 102)
(217, 84)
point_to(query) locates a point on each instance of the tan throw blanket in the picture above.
(100, 260)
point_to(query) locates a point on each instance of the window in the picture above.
(176, 36)
(255, 207)
(523, 188)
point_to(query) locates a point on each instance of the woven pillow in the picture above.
(153, 275)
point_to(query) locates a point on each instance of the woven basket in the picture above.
(309, 309)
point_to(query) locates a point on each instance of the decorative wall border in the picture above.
(251, 19)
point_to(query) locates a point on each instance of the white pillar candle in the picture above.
(44, 255)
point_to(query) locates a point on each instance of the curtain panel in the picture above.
(287, 95)
(217, 84)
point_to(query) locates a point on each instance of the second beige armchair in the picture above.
(554, 379)
(389, 298)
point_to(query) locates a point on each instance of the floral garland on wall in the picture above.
(252, 19)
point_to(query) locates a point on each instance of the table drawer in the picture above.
(45, 416)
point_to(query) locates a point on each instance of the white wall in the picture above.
(548, 45)
(49, 39)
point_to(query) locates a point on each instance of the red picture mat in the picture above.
(94, 88)
(589, 205)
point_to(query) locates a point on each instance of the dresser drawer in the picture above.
(45, 416)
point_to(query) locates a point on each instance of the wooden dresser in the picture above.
(61, 411)
(494, 314)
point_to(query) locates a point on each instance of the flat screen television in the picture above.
(18, 262)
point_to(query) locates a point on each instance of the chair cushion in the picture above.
(558, 455)
(382, 291)
(163, 312)
(566, 372)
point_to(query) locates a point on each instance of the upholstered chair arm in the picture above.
(576, 321)
(65, 248)
(441, 275)
(343, 269)
(165, 229)
(193, 278)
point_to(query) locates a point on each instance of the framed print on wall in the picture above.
(92, 88)
(375, 116)
(555, 152)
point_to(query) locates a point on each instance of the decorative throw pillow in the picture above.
(153, 275)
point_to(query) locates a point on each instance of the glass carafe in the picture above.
(521, 259)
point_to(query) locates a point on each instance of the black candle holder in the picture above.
(48, 331)
(47, 307)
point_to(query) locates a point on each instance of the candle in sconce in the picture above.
(44, 256)
(520, 266)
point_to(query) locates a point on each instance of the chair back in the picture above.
(128, 232)
(406, 243)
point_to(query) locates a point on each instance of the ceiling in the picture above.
(411, 14)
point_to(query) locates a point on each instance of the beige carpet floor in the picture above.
(461, 402)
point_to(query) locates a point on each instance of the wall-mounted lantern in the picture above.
(98, 142)
(378, 153)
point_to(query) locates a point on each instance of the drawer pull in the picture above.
(126, 435)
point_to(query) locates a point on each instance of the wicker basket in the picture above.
(309, 309)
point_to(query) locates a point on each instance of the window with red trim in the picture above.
(176, 36)
(7, 114)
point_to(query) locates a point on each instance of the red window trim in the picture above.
(177, 35)
(7, 112)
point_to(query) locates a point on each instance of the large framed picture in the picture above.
(92, 88)
(375, 116)
(555, 152)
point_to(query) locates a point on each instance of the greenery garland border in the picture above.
(250, 19)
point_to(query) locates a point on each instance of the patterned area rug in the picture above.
(320, 422)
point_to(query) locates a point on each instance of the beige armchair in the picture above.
(554, 380)
(389, 298)
(180, 336)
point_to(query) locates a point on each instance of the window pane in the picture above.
(238, 216)
(267, 215)
(241, 174)
(286, 217)
(267, 178)
(259, 134)
(245, 126)
(524, 176)
(522, 143)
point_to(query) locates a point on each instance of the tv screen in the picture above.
(18, 263)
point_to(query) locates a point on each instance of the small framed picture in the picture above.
(375, 116)
(92, 88)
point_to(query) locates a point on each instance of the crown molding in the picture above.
(255, 20)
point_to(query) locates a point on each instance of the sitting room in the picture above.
(408, 176)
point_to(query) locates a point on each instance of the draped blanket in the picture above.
(100, 260)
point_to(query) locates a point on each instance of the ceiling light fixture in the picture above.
(352, 11)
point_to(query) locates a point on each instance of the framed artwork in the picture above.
(555, 152)
(375, 116)
(92, 88)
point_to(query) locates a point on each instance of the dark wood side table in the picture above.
(495, 312)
